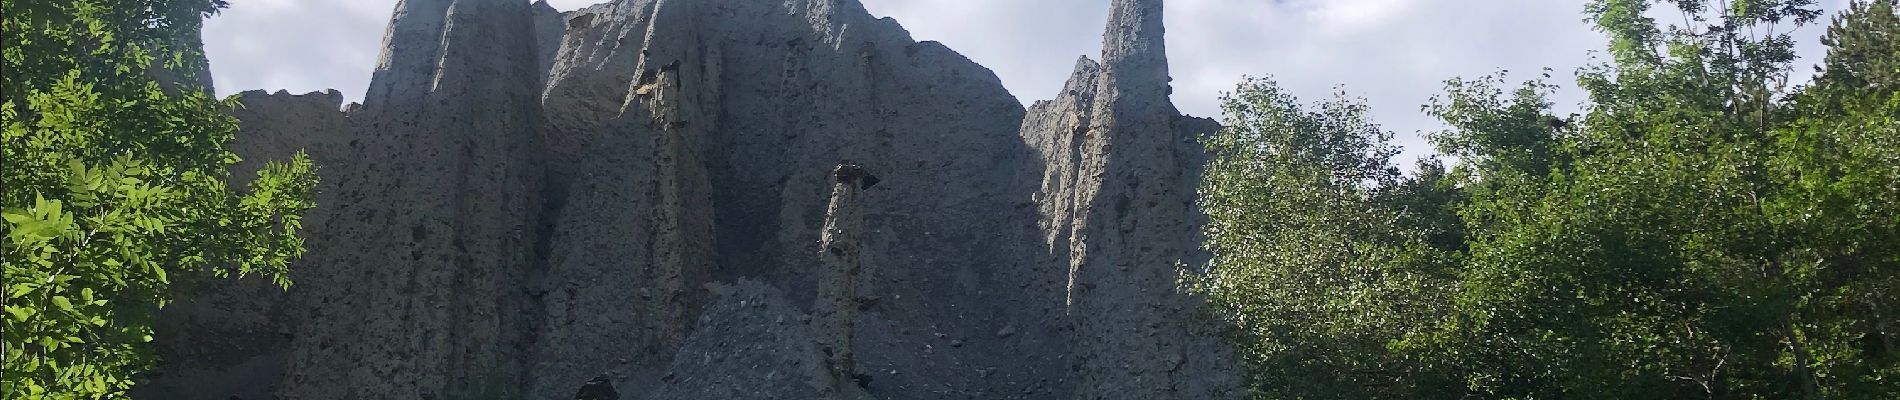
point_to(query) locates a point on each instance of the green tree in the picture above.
(1703, 231)
(115, 178)
(1324, 254)
(1837, 168)
(1699, 233)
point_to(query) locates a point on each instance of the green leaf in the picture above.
(17, 218)
(20, 314)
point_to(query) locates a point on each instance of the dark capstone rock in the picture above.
(599, 388)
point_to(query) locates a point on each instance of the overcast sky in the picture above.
(1395, 53)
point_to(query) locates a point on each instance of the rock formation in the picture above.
(642, 195)
(1119, 213)
(839, 247)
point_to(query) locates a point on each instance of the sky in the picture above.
(1394, 53)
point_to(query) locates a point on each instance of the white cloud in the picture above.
(1395, 53)
(296, 45)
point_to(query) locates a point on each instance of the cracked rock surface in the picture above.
(632, 195)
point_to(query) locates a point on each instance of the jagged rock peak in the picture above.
(1134, 47)
(422, 33)
(1117, 203)
(410, 50)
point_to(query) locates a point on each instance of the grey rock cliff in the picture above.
(529, 201)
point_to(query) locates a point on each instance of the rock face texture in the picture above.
(643, 195)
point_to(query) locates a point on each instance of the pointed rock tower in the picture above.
(1118, 209)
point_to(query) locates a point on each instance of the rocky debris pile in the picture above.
(752, 344)
(529, 201)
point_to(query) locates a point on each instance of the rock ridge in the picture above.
(643, 195)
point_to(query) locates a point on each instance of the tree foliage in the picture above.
(1703, 231)
(115, 179)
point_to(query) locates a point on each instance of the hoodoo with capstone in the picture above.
(645, 195)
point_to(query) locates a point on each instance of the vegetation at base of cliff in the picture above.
(115, 179)
(1702, 231)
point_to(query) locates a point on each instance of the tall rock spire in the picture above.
(1118, 213)
(630, 247)
(424, 277)
(1134, 49)
(839, 245)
